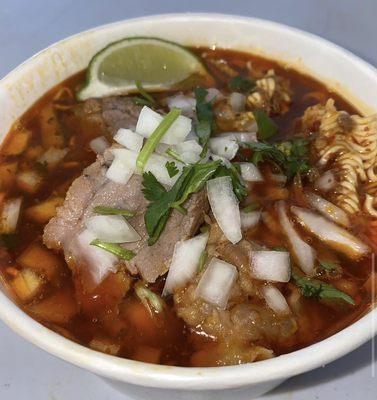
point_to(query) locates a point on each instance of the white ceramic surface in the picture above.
(340, 69)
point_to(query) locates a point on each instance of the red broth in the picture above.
(113, 311)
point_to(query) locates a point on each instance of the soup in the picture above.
(206, 225)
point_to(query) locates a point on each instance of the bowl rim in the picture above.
(194, 378)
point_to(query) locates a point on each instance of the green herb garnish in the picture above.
(290, 156)
(173, 154)
(113, 248)
(150, 300)
(295, 152)
(140, 101)
(205, 117)
(241, 84)
(144, 93)
(324, 291)
(239, 187)
(251, 207)
(328, 266)
(155, 138)
(192, 180)
(202, 261)
(263, 151)
(171, 168)
(266, 126)
(103, 210)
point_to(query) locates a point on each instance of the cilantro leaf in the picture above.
(266, 126)
(200, 173)
(204, 115)
(239, 187)
(152, 188)
(324, 291)
(296, 152)
(290, 156)
(263, 151)
(171, 168)
(241, 84)
(191, 180)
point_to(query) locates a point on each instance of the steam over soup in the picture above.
(214, 221)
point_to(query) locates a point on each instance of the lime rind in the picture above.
(101, 81)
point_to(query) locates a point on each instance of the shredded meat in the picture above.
(244, 329)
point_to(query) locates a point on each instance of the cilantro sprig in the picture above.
(290, 156)
(205, 117)
(267, 128)
(315, 288)
(171, 168)
(162, 201)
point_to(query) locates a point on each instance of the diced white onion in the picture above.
(305, 255)
(149, 120)
(223, 147)
(328, 209)
(216, 283)
(240, 137)
(157, 165)
(125, 164)
(185, 103)
(188, 151)
(53, 156)
(225, 208)
(250, 172)
(326, 181)
(275, 300)
(213, 94)
(237, 101)
(129, 139)
(185, 262)
(224, 161)
(333, 235)
(188, 145)
(250, 219)
(112, 229)
(10, 215)
(121, 169)
(99, 144)
(272, 266)
(30, 180)
(98, 262)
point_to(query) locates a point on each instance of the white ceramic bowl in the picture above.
(341, 70)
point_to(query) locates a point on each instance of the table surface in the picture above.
(26, 27)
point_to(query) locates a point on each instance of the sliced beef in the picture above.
(109, 113)
(93, 189)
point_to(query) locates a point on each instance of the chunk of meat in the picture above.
(109, 113)
(93, 189)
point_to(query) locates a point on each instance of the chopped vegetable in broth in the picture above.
(224, 221)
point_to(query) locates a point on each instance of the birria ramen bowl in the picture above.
(226, 326)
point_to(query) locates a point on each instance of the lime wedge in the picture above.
(157, 64)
